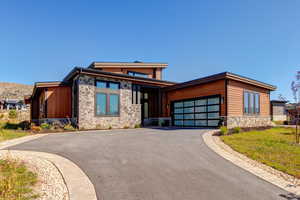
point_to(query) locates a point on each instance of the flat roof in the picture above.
(223, 75)
(135, 64)
(96, 72)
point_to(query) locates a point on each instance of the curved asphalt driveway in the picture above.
(149, 164)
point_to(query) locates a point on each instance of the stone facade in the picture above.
(130, 114)
(247, 121)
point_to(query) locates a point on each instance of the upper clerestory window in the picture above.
(139, 74)
(108, 85)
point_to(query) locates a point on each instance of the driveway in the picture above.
(153, 164)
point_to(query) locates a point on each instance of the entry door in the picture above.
(198, 112)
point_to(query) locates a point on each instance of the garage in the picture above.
(197, 112)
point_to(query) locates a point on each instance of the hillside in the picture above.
(14, 90)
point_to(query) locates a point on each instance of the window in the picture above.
(131, 73)
(107, 100)
(251, 102)
(101, 104)
(114, 104)
(136, 94)
(108, 84)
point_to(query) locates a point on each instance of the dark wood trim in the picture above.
(226, 97)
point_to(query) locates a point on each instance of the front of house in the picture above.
(120, 95)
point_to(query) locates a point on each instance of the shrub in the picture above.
(57, 125)
(109, 127)
(126, 127)
(10, 125)
(24, 125)
(137, 126)
(45, 126)
(278, 122)
(69, 127)
(36, 128)
(1, 116)
(98, 126)
(12, 114)
(223, 130)
(236, 130)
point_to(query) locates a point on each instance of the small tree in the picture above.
(12, 114)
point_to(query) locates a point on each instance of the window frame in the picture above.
(107, 91)
(136, 94)
(251, 110)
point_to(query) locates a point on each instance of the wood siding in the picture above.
(59, 102)
(207, 89)
(235, 95)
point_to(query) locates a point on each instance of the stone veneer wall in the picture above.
(130, 114)
(248, 121)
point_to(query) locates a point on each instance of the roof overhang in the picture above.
(127, 65)
(40, 85)
(98, 73)
(220, 76)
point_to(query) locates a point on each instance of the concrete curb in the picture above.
(77, 182)
(13, 142)
(260, 170)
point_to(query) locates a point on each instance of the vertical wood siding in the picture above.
(59, 102)
(235, 95)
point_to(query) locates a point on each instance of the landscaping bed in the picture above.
(16, 181)
(275, 147)
(24, 176)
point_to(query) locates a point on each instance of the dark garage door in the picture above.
(198, 112)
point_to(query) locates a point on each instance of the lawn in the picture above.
(11, 134)
(16, 181)
(274, 147)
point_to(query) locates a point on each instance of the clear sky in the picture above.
(44, 40)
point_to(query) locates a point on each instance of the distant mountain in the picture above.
(14, 90)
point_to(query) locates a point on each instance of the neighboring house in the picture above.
(12, 104)
(121, 95)
(293, 112)
(278, 110)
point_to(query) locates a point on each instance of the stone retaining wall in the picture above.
(247, 121)
(130, 114)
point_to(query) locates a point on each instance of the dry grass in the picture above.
(274, 147)
(16, 181)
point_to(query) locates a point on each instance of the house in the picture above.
(124, 94)
(12, 104)
(293, 113)
(278, 110)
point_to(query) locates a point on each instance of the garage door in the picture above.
(198, 112)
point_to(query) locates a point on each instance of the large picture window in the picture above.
(107, 99)
(251, 102)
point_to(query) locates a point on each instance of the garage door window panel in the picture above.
(200, 112)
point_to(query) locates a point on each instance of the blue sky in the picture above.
(44, 40)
